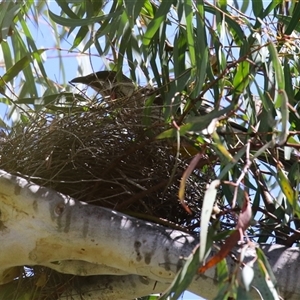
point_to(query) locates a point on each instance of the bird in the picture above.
(113, 86)
(108, 84)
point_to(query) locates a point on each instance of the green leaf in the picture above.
(148, 10)
(4, 5)
(257, 7)
(59, 101)
(233, 26)
(207, 207)
(245, 5)
(176, 86)
(226, 157)
(202, 52)
(265, 280)
(243, 294)
(35, 53)
(188, 12)
(286, 20)
(180, 46)
(8, 60)
(81, 34)
(222, 271)
(97, 6)
(293, 23)
(196, 124)
(125, 41)
(154, 25)
(287, 73)
(277, 66)
(8, 21)
(81, 22)
(18, 67)
(288, 191)
(133, 9)
(282, 100)
(66, 9)
(183, 278)
(270, 8)
(241, 78)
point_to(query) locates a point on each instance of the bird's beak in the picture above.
(94, 82)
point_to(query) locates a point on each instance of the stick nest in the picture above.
(109, 158)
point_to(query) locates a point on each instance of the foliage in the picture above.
(228, 76)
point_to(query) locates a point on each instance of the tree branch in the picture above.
(130, 257)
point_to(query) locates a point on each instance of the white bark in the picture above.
(130, 257)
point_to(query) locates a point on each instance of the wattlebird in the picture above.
(114, 86)
(108, 84)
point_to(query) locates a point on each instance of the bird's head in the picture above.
(108, 84)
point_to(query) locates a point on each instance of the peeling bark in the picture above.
(129, 257)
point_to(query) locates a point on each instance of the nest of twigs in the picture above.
(107, 158)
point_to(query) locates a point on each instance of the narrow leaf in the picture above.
(197, 124)
(81, 22)
(18, 67)
(287, 188)
(294, 21)
(231, 241)
(184, 178)
(184, 277)
(241, 78)
(280, 82)
(154, 25)
(207, 207)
